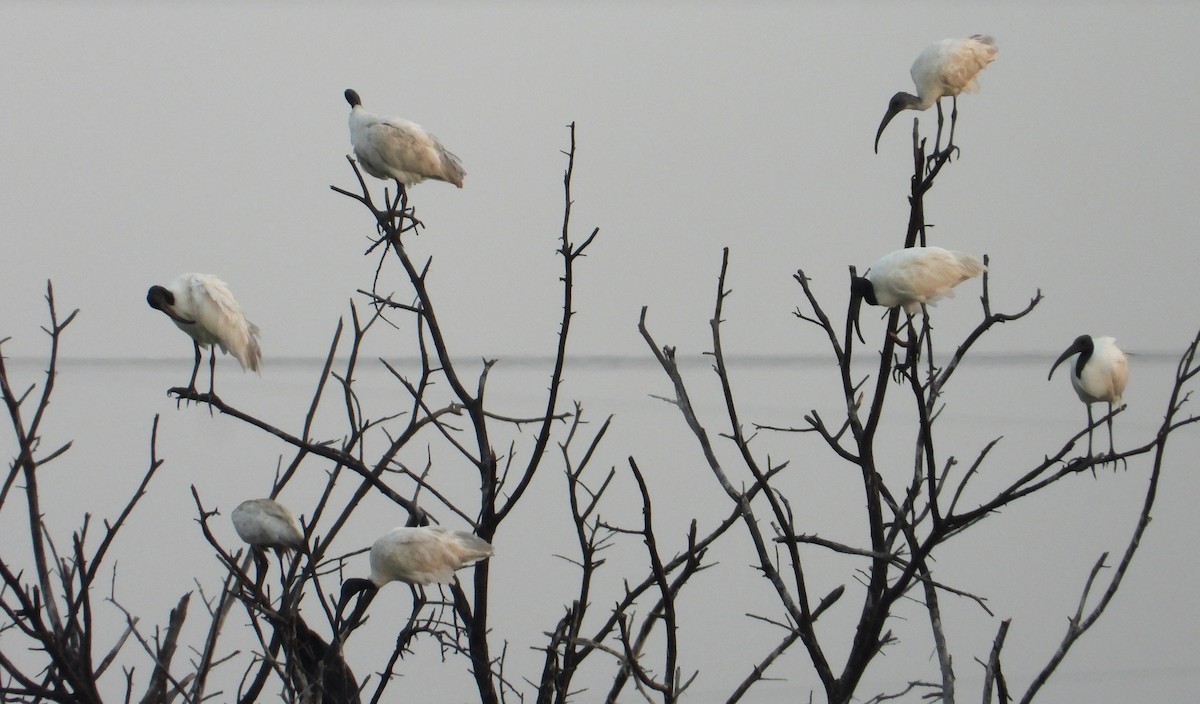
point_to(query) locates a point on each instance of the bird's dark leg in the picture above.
(950, 148)
(212, 367)
(195, 368)
(1111, 448)
(404, 210)
(911, 348)
(954, 120)
(937, 142)
(283, 572)
(260, 567)
(1090, 424)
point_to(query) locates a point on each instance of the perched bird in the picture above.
(912, 276)
(203, 307)
(1099, 374)
(945, 68)
(267, 524)
(394, 148)
(420, 556)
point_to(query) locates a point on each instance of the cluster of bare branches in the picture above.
(909, 523)
(46, 595)
(298, 631)
(50, 650)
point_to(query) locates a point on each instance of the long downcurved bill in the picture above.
(1074, 349)
(855, 309)
(176, 317)
(886, 119)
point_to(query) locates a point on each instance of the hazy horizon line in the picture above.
(594, 360)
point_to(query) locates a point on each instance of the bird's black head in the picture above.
(899, 102)
(350, 587)
(860, 289)
(161, 298)
(352, 97)
(1083, 346)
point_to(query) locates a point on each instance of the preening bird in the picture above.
(203, 307)
(266, 524)
(394, 148)
(945, 68)
(912, 276)
(423, 555)
(1099, 374)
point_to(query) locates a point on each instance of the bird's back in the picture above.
(267, 523)
(396, 148)
(951, 66)
(425, 555)
(918, 275)
(207, 300)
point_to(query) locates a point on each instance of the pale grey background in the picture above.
(142, 140)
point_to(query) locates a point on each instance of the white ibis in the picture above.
(394, 148)
(265, 524)
(945, 68)
(1099, 374)
(912, 276)
(423, 555)
(203, 307)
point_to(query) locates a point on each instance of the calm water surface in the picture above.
(1030, 561)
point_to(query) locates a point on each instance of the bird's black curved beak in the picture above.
(1076, 347)
(855, 307)
(857, 293)
(891, 112)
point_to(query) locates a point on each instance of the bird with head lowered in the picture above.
(416, 555)
(945, 68)
(203, 306)
(911, 277)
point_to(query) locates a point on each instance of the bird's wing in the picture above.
(917, 279)
(219, 312)
(1120, 373)
(471, 548)
(403, 142)
(965, 59)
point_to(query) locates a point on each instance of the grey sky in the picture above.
(143, 140)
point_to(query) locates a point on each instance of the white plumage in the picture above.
(394, 148)
(203, 306)
(265, 523)
(1098, 375)
(423, 555)
(944, 68)
(915, 275)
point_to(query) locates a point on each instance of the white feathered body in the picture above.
(915, 275)
(949, 67)
(265, 523)
(1103, 375)
(218, 317)
(425, 555)
(395, 148)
